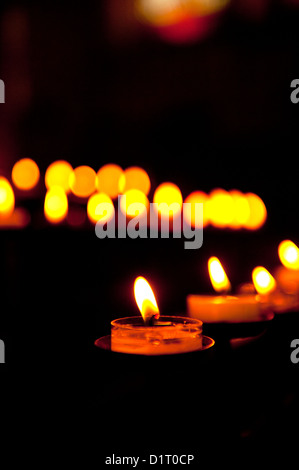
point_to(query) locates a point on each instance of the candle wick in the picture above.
(151, 321)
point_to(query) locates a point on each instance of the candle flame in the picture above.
(58, 174)
(25, 174)
(219, 279)
(263, 281)
(7, 198)
(145, 299)
(288, 254)
(169, 199)
(55, 205)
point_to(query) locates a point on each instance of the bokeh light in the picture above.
(288, 254)
(135, 178)
(7, 198)
(102, 213)
(179, 22)
(220, 208)
(134, 203)
(56, 204)
(263, 281)
(108, 179)
(241, 209)
(169, 198)
(83, 181)
(258, 212)
(58, 174)
(25, 174)
(189, 212)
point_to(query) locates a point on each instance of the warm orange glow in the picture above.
(220, 208)
(169, 199)
(25, 174)
(135, 178)
(56, 204)
(134, 203)
(189, 213)
(7, 198)
(165, 12)
(219, 279)
(103, 213)
(258, 212)
(82, 181)
(288, 254)
(108, 179)
(145, 299)
(263, 281)
(241, 209)
(58, 174)
(19, 219)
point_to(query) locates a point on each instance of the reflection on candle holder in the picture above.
(171, 335)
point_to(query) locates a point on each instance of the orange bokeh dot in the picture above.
(241, 209)
(58, 174)
(258, 212)
(7, 198)
(135, 178)
(169, 198)
(82, 181)
(108, 179)
(97, 201)
(25, 174)
(189, 212)
(55, 205)
(134, 202)
(220, 208)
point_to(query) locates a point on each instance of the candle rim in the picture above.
(140, 323)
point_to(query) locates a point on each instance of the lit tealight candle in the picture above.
(152, 334)
(224, 308)
(272, 294)
(287, 275)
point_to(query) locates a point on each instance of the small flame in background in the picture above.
(56, 205)
(263, 281)
(219, 279)
(25, 174)
(145, 299)
(288, 254)
(58, 174)
(7, 198)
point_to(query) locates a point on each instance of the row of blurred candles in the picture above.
(85, 190)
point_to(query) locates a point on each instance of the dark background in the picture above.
(89, 84)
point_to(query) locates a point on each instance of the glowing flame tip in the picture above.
(219, 279)
(145, 299)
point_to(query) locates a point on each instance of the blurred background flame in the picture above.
(190, 91)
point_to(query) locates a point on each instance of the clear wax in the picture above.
(178, 335)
